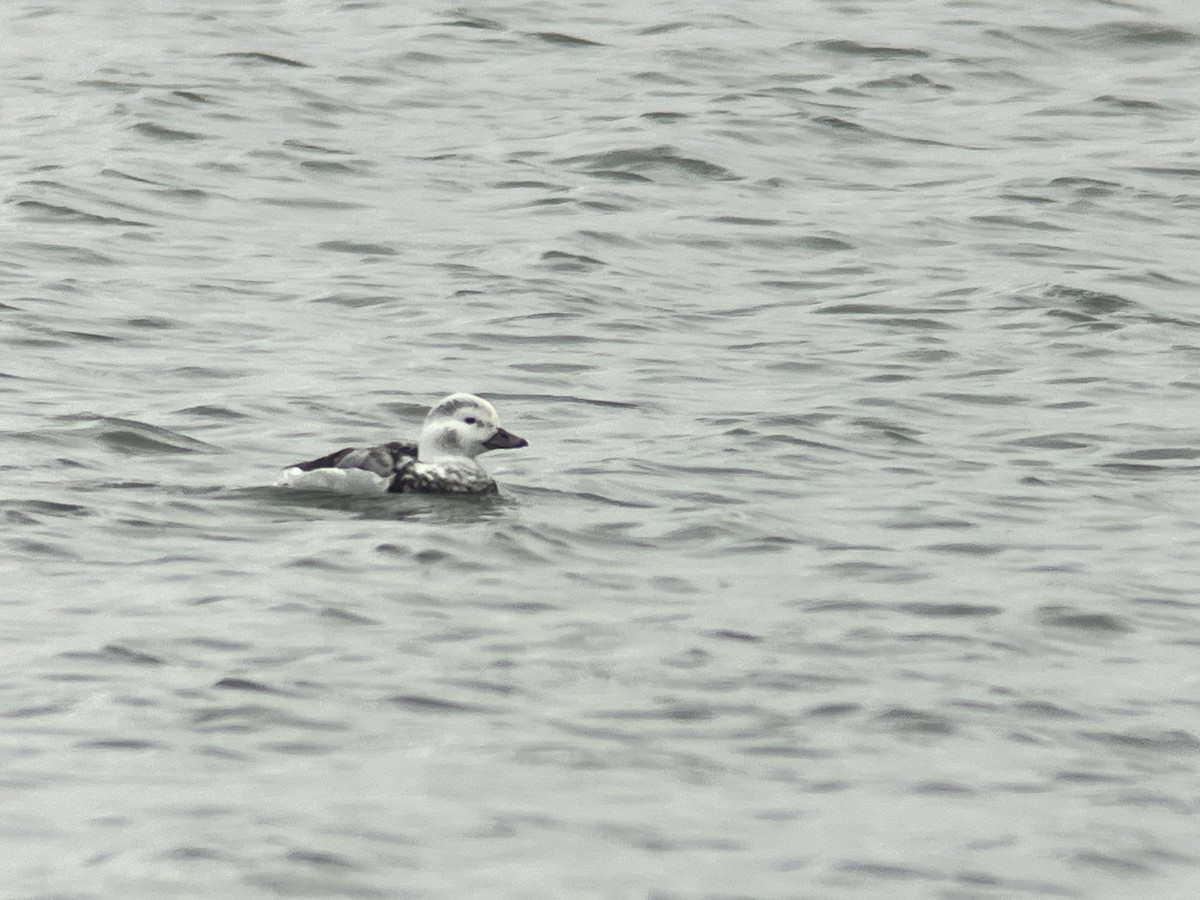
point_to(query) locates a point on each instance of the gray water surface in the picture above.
(855, 553)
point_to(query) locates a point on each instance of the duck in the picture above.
(443, 460)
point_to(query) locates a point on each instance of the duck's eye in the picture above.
(470, 420)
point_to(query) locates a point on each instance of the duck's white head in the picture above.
(463, 426)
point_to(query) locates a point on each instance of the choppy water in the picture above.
(855, 553)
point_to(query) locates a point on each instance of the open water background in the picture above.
(856, 550)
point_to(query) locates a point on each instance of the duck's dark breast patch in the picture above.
(411, 479)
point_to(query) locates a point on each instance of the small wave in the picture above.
(854, 48)
(563, 40)
(136, 438)
(357, 248)
(162, 133)
(635, 161)
(269, 59)
(57, 213)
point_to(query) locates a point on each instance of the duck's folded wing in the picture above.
(382, 460)
(325, 462)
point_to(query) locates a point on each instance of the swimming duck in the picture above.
(442, 461)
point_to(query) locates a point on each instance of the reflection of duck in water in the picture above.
(442, 461)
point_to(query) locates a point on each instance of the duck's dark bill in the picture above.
(503, 440)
